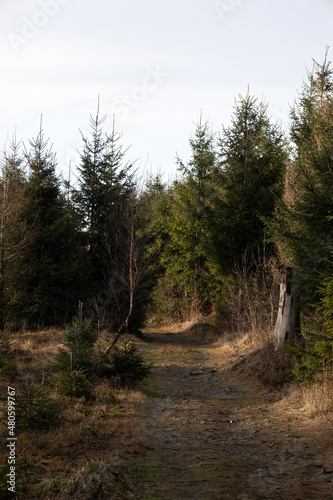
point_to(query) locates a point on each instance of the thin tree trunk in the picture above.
(124, 327)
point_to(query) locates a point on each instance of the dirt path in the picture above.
(211, 437)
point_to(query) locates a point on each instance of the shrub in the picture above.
(315, 354)
(127, 364)
(79, 339)
(274, 368)
(73, 383)
(5, 347)
(252, 299)
(96, 480)
(37, 410)
(317, 399)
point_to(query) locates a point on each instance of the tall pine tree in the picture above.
(253, 155)
(187, 284)
(303, 225)
(51, 266)
(105, 184)
(303, 222)
(15, 236)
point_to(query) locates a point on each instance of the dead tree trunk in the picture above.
(287, 324)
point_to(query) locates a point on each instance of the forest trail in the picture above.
(212, 436)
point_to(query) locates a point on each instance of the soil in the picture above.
(213, 432)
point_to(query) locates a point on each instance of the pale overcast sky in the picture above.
(156, 65)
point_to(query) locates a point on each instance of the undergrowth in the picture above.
(67, 410)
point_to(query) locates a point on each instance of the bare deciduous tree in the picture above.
(128, 267)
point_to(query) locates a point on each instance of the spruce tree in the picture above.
(303, 223)
(186, 282)
(252, 160)
(15, 236)
(50, 267)
(155, 205)
(106, 200)
(103, 180)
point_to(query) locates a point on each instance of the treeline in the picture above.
(250, 200)
(62, 245)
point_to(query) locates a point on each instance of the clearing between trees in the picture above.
(214, 432)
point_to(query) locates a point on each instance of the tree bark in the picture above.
(287, 324)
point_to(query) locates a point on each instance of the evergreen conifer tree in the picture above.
(103, 181)
(187, 282)
(253, 158)
(15, 236)
(303, 223)
(51, 266)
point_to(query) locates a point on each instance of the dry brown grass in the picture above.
(91, 479)
(178, 327)
(132, 397)
(309, 409)
(240, 343)
(318, 399)
(103, 427)
(86, 438)
(313, 401)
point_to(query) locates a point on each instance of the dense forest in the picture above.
(250, 201)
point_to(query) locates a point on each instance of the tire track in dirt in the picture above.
(210, 438)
